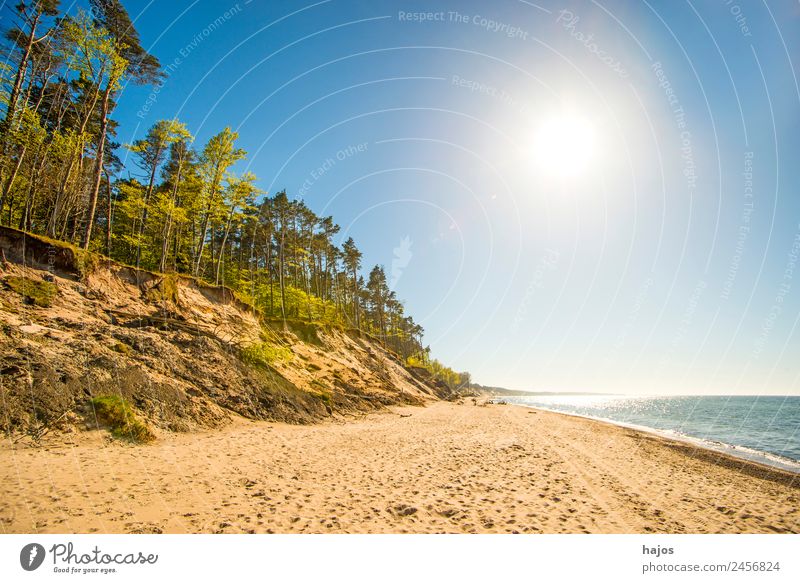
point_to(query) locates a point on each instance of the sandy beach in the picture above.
(445, 468)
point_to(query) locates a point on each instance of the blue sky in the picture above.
(666, 265)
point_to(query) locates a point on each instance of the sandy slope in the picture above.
(443, 468)
(170, 345)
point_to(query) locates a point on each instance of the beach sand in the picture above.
(445, 468)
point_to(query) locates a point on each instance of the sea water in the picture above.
(764, 429)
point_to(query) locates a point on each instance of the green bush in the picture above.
(265, 354)
(118, 415)
(165, 290)
(121, 348)
(40, 293)
(86, 262)
(439, 371)
(324, 397)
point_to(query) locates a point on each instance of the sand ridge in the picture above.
(444, 468)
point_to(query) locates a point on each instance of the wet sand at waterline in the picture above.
(444, 468)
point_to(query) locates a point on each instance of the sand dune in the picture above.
(445, 468)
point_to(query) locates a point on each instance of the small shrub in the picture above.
(324, 397)
(122, 348)
(39, 293)
(166, 290)
(85, 262)
(265, 354)
(118, 415)
(438, 371)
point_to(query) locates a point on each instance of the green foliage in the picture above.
(164, 290)
(93, 52)
(111, 14)
(118, 415)
(265, 354)
(122, 348)
(439, 372)
(153, 148)
(321, 392)
(5, 82)
(325, 397)
(415, 362)
(86, 262)
(40, 293)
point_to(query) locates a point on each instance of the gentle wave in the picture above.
(758, 429)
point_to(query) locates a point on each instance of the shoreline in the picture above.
(789, 466)
(443, 468)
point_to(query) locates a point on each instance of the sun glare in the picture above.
(564, 145)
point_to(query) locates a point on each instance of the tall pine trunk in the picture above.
(98, 171)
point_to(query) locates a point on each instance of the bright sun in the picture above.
(564, 145)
